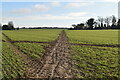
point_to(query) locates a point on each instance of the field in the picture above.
(12, 65)
(32, 35)
(108, 37)
(46, 53)
(33, 50)
(96, 62)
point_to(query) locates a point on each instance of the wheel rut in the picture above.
(57, 62)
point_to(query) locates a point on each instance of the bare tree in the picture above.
(114, 24)
(114, 20)
(96, 24)
(107, 21)
(101, 20)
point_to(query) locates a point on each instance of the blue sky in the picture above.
(57, 13)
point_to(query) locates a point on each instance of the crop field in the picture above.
(54, 53)
(3, 38)
(0, 60)
(96, 62)
(33, 35)
(0, 36)
(33, 50)
(60, 40)
(109, 37)
(12, 65)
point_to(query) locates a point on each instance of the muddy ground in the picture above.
(56, 63)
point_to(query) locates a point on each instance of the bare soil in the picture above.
(99, 45)
(56, 63)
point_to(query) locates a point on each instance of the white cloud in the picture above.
(21, 11)
(57, 0)
(71, 5)
(40, 7)
(78, 4)
(55, 4)
(29, 10)
(77, 14)
(68, 16)
(119, 10)
(46, 17)
(111, 0)
(6, 19)
(55, 20)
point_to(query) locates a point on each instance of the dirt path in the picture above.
(56, 63)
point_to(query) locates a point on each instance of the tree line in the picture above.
(91, 24)
(9, 26)
(101, 23)
(43, 28)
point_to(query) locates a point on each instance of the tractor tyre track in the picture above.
(57, 63)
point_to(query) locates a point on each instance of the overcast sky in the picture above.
(57, 13)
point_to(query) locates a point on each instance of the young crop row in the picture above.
(45, 35)
(95, 62)
(3, 38)
(12, 65)
(0, 60)
(109, 37)
(34, 50)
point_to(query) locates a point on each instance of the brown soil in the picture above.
(102, 45)
(56, 63)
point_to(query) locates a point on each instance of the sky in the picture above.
(119, 9)
(55, 13)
